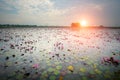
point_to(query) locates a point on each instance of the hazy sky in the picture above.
(60, 12)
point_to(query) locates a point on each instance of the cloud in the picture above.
(4, 7)
(29, 6)
(98, 7)
(48, 12)
(44, 12)
(33, 11)
(35, 7)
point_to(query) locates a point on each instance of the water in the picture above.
(59, 54)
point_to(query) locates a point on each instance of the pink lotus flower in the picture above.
(35, 66)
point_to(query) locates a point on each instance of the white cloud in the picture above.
(5, 7)
(34, 11)
(30, 6)
(35, 7)
(45, 12)
(98, 7)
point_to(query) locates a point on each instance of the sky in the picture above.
(60, 12)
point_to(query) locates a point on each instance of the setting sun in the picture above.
(83, 23)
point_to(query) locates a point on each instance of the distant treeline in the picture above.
(31, 26)
(16, 25)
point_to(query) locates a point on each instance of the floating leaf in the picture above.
(107, 76)
(50, 69)
(52, 77)
(44, 74)
(91, 72)
(98, 71)
(56, 72)
(94, 66)
(13, 74)
(9, 63)
(49, 64)
(84, 78)
(82, 70)
(19, 76)
(58, 67)
(57, 63)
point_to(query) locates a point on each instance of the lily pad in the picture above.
(50, 69)
(107, 76)
(49, 64)
(9, 63)
(52, 77)
(82, 70)
(94, 66)
(57, 63)
(56, 72)
(58, 67)
(84, 78)
(98, 71)
(19, 76)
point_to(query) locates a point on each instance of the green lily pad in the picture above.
(56, 72)
(44, 73)
(58, 67)
(107, 76)
(57, 63)
(91, 72)
(13, 74)
(50, 69)
(84, 78)
(19, 76)
(82, 70)
(52, 77)
(98, 71)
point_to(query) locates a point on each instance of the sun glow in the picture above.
(83, 23)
